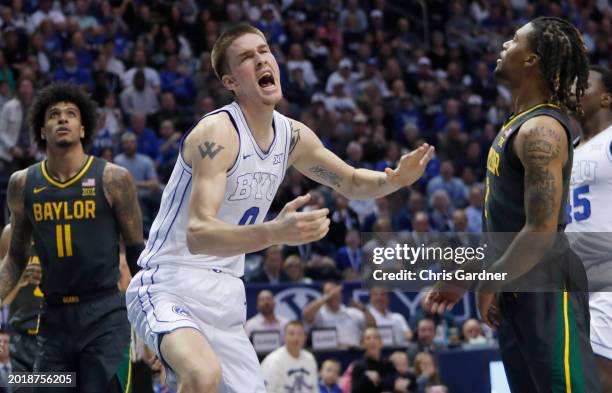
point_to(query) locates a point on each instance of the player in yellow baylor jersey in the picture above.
(75, 207)
(542, 311)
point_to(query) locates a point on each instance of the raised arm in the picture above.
(120, 191)
(16, 259)
(310, 157)
(211, 150)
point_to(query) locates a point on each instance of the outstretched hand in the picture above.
(411, 166)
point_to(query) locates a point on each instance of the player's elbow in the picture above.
(198, 237)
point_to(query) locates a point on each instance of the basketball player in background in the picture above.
(590, 214)
(75, 207)
(541, 309)
(188, 301)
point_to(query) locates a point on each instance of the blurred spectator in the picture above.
(343, 219)
(296, 60)
(329, 374)
(385, 318)
(381, 211)
(338, 100)
(46, 11)
(142, 169)
(426, 370)
(71, 72)
(140, 64)
(350, 256)
(472, 333)
(113, 64)
(113, 117)
(271, 270)
(174, 80)
(6, 73)
(373, 373)
(138, 97)
(182, 118)
(459, 221)
(344, 76)
(329, 312)
(17, 148)
(291, 367)
(423, 339)
(148, 143)
(456, 190)
(168, 149)
(403, 372)
(474, 210)
(442, 210)
(270, 25)
(294, 269)
(420, 230)
(5, 360)
(266, 318)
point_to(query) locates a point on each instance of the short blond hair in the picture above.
(219, 51)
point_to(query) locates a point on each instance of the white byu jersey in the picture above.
(590, 205)
(252, 183)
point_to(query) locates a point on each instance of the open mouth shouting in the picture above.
(266, 81)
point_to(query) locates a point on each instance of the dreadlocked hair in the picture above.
(563, 60)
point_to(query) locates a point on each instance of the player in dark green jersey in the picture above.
(75, 207)
(544, 326)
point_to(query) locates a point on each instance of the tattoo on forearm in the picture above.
(295, 138)
(21, 231)
(541, 146)
(326, 175)
(119, 185)
(209, 149)
(382, 182)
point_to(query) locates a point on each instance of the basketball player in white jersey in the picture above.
(590, 212)
(188, 302)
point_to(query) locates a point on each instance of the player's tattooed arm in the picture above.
(16, 259)
(540, 154)
(121, 193)
(317, 162)
(209, 149)
(295, 136)
(542, 148)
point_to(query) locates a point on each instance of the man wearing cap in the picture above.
(345, 75)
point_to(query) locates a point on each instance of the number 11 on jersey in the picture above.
(63, 236)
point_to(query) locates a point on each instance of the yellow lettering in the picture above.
(67, 214)
(493, 162)
(37, 211)
(48, 212)
(57, 207)
(78, 210)
(501, 141)
(90, 209)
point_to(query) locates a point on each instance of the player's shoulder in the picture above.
(543, 127)
(115, 177)
(17, 181)
(214, 125)
(15, 196)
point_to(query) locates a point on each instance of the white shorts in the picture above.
(600, 305)
(165, 298)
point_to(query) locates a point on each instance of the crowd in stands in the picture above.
(373, 78)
